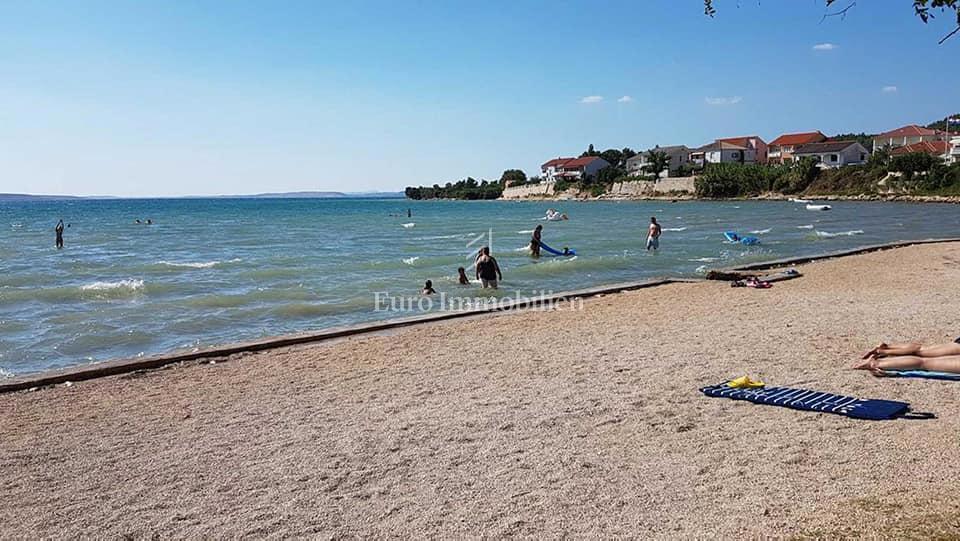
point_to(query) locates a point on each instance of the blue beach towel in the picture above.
(928, 374)
(803, 399)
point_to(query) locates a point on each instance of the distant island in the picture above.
(278, 195)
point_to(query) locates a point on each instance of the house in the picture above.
(752, 142)
(833, 153)
(954, 156)
(780, 150)
(722, 152)
(907, 135)
(572, 169)
(934, 148)
(679, 157)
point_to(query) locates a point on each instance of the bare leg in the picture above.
(887, 350)
(910, 362)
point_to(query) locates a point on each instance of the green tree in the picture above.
(921, 9)
(657, 161)
(590, 152)
(513, 176)
(613, 156)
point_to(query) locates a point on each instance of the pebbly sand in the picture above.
(532, 424)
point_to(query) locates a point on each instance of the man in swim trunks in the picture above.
(653, 234)
(59, 231)
(488, 272)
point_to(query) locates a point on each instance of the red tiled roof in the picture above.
(741, 141)
(581, 162)
(937, 148)
(911, 130)
(556, 162)
(789, 139)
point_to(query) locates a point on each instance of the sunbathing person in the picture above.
(913, 348)
(947, 363)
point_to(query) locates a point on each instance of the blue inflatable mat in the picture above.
(550, 250)
(928, 374)
(803, 399)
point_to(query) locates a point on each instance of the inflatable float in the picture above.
(819, 207)
(732, 236)
(554, 216)
(549, 250)
(807, 201)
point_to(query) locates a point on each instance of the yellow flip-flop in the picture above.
(744, 383)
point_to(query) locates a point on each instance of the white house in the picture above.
(723, 152)
(679, 157)
(833, 153)
(572, 169)
(954, 156)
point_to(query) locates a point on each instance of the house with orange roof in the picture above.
(907, 135)
(780, 150)
(750, 142)
(933, 148)
(572, 169)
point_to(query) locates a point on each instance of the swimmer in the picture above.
(428, 288)
(462, 278)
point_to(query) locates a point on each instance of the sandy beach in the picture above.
(528, 424)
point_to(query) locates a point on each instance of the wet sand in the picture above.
(531, 424)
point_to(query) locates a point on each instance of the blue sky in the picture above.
(172, 98)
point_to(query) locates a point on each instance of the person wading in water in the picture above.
(59, 231)
(488, 272)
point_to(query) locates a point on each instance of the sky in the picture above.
(206, 97)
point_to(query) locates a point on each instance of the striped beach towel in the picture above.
(803, 399)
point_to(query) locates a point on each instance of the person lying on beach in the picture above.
(462, 278)
(428, 288)
(913, 348)
(946, 363)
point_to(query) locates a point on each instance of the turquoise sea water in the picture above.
(211, 271)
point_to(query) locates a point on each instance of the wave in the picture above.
(411, 260)
(828, 235)
(674, 228)
(197, 265)
(761, 231)
(525, 232)
(409, 225)
(702, 269)
(442, 237)
(131, 284)
(808, 226)
(704, 259)
(6, 374)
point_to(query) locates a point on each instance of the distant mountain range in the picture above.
(279, 195)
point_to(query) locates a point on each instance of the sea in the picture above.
(215, 271)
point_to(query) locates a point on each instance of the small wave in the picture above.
(761, 231)
(16, 226)
(197, 265)
(704, 259)
(808, 226)
(828, 235)
(674, 228)
(411, 260)
(6, 374)
(132, 285)
(439, 237)
(525, 232)
(522, 249)
(702, 269)
(409, 225)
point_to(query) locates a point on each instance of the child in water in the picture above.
(428, 288)
(464, 281)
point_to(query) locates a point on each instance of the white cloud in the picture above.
(625, 99)
(729, 100)
(824, 47)
(889, 89)
(591, 99)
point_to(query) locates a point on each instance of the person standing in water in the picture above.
(462, 276)
(535, 241)
(59, 232)
(488, 272)
(409, 213)
(653, 234)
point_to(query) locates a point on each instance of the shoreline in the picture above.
(876, 198)
(119, 366)
(523, 423)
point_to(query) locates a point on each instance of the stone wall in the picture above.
(648, 188)
(533, 190)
